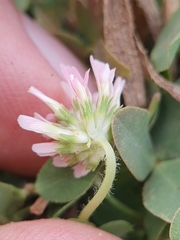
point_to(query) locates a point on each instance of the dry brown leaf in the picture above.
(169, 7)
(119, 39)
(152, 16)
(102, 53)
(171, 88)
(38, 206)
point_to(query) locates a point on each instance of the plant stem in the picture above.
(106, 185)
(64, 208)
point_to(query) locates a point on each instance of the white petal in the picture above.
(97, 67)
(38, 126)
(32, 124)
(59, 161)
(51, 117)
(67, 71)
(111, 75)
(119, 85)
(77, 75)
(54, 105)
(103, 74)
(38, 116)
(86, 78)
(118, 88)
(79, 89)
(95, 99)
(68, 91)
(80, 170)
(45, 149)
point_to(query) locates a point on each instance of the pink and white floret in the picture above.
(74, 131)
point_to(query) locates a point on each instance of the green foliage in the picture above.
(154, 226)
(59, 185)
(166, 131)
(167, 44)
(63, 208)
(175, 226)
(71, 21)
(119, 227)
(130, 133)
(154, 108)
(11, 199)
(161, 192)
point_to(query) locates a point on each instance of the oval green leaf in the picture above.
(175, 226)
(131, 136)
(161, 193)
(154, 226)
(12, 199)
(118, 227)
(167, 44)
(59, 185)
(154, 108)
(166, 131)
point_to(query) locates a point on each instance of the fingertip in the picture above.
(53, 229)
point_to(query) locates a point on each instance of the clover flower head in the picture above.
(74, 131)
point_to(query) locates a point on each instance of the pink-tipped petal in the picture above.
(76, 74)
(59, 161)
(86, 78)
(68, 91)
(54, 105)
(45, 149)
(32, 124)
(79, 89)
(67, 71)
(97, 67)
(80, 170)
(38, 126)
(117, 90)
(105, 73)
(111, 75)
(104, 76)
(77, 84)
(39, 117)
(51, 117)
(119, 85)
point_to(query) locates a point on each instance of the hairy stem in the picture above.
(110, 171)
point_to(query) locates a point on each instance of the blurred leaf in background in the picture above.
(167, 44)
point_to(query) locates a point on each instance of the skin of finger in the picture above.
(22, 65)
(51, 229)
